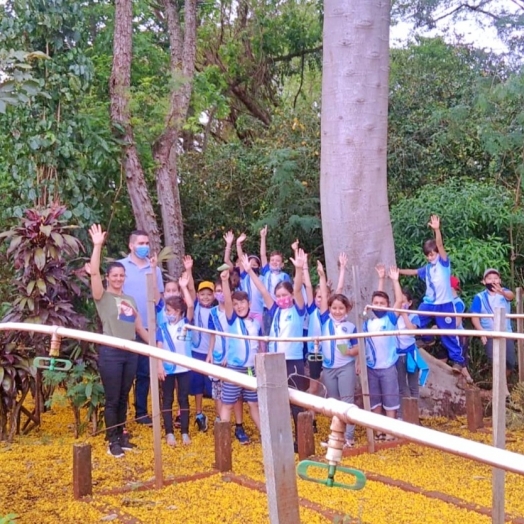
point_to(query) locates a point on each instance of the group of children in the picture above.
(256, 297)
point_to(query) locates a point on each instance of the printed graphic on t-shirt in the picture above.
(126, 311)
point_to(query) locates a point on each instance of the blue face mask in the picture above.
(171, 318)
(379, 314)
(142, 251)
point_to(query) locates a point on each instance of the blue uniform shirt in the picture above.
(200, 340)
(381, 352)
(287, 323)
(218, 322)
(333, 357)
(486, 303)
(241, 352)
(256, 302)
(171, 338)
(272, 279)
(438, 286)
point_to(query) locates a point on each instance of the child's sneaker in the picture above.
(201, 422)
(185, 439)
(115, 449)
(170, 439)
(125, 442)
(241, 436)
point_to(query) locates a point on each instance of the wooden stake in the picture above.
(499, 414)
(305, 436)
(358, 307)
(82, 480)
(277, 438)
(153, 378)
(223, 455)
(410, 411)
(520, 329)
(474, 409)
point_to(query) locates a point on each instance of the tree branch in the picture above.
(300, 53)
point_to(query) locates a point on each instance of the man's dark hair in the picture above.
(138, 233)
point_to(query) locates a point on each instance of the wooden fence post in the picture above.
(305, 436)
(410, 412)
(82, 478)
(520, 329)
(358, 307)
(474, 409)
(277, 438)
(223, 455)
(153, 381)
(499, 415)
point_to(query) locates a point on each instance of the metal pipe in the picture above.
(500, 458)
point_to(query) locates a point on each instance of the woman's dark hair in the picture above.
(407, 293)
(341, 298)
(381, 294)
(286, 285)
(177, 303)
(239, 295)
(430, 246)
(113, 265)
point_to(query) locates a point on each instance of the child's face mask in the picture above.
(219, 296)
(284, 302)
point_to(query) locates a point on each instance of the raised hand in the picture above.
(244, 260)
(241, 239)
(263, 232)
(188, 262)
(224, 276)
(294, 245)
(305, 266)
(343, 260)
(320, 269)
(434, 222)
(394, 273)
(381, 270)
(298, 261)
(153, 261)
(183, 281)
(97, 235)
(229, 237)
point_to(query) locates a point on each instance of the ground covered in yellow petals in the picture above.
(36, 482)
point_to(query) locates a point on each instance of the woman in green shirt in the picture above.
(119, 315)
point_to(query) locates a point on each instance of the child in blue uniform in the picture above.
(439, 298)
(179, 311)
(486, 302)
(381, 354)
(271, 272)
(339, 376)
(286, 313)
(240, 353)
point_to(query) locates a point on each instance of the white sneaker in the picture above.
(170, 439)
(185, 439)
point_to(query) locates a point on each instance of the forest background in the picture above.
(191, 144)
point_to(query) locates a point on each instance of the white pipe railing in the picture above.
(349, 413)
(437, 313)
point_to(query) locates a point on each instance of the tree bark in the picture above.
(353, 178)
(165, 149)
(119, 88)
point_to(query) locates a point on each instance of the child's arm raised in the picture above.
(307, 282)
(188, 266)
(298, 262)
(268, 300)
(323, 287)
(408, 272)
(240, 240)
(97, 237)
(263, 247)
(394, 276)
(434, 223)
(381, 271)
(229, 237)
(183, 283)
(343, 264)
(228, 302)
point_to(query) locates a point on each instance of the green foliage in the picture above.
(83, 391)
(476, 219)
(10, 518)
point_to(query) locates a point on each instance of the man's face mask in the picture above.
(142, 252)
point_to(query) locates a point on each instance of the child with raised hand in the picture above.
(203, 299)
(486, 302)
(271, 274)
(179, 311)
(234, 275)
(339, 376)
(246, 283)
(217, 355)
(240, 354)
(286, 312)
(381, 353)
(438, 297)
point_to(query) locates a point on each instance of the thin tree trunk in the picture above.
(353, 179)
(119, 89)
(166, 148)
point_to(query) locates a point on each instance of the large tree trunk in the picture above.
(166, 147)
(353, 178)
(119, 89)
